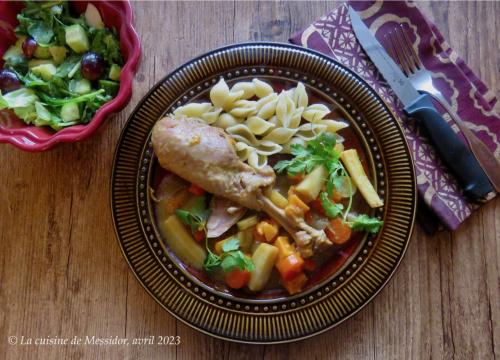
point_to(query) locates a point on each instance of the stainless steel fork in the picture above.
(402, 51)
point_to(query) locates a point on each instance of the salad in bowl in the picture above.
(63, 67)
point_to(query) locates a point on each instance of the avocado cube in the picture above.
(45, 71)
(42, 52)
(20, 41)
(77, 39)
(81, 86)
(12, 52)
(58, 54)
(35, 62)
(114, 72)
(70, 112)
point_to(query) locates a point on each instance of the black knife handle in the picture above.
(451, 149)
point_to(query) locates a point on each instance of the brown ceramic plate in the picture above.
(352, 283)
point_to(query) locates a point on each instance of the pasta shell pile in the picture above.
(266, 126)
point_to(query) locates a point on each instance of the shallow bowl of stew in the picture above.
(340, 280)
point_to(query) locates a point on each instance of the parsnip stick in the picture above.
(353, 165)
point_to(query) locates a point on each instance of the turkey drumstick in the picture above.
(205, 156)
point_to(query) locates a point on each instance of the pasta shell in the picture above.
(268, 110)
(280, 135)
(310, 131)
(248, 88)
(243, 112)
(268, 148)
(284, 108)
(334, 125)
(219, 93)
(265, 100)
(315, 112)
(300, 97)
(241, 132)
(243, 150)
(226, 120)
(258, 125)
(211, 116)
(231, 98)
(256, 160)
(294, 140)
(296, 118)
(274, 120)
(261, 88)
(245, 103)
(193, 109)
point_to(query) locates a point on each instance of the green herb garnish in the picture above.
(332, 210)
(230, 259)
(212, 262)
(197, 216)
(366, 223)
(231, 244)
(236, 260)
(319, 152)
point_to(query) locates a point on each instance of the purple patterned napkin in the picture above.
(332, 35)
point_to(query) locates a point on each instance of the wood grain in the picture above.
(62, 273)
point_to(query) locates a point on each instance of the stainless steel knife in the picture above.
(454, 153)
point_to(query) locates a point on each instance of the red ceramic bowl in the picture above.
(116, 14)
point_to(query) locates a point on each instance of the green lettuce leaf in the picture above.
(18, 99)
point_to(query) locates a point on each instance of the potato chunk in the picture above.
(264, 259)
(182, 243)
(309, 188)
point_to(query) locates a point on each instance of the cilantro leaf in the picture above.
(282, 165)
(230, 259)
(229, 263)
(197, 216)
(231, 244)
(184, 216)
(236, 259)
(332, 210)
(319, 151)
(298, 150)
(212, 262)
(334, 178)
(199, 209)
(366, 223)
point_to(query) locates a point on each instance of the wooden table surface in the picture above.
(62, 273)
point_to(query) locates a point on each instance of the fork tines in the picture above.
(401, 49)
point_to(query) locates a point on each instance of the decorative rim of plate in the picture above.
(291, 318)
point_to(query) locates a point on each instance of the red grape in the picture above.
(29, 47)
(92, 66)
(9, 81)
